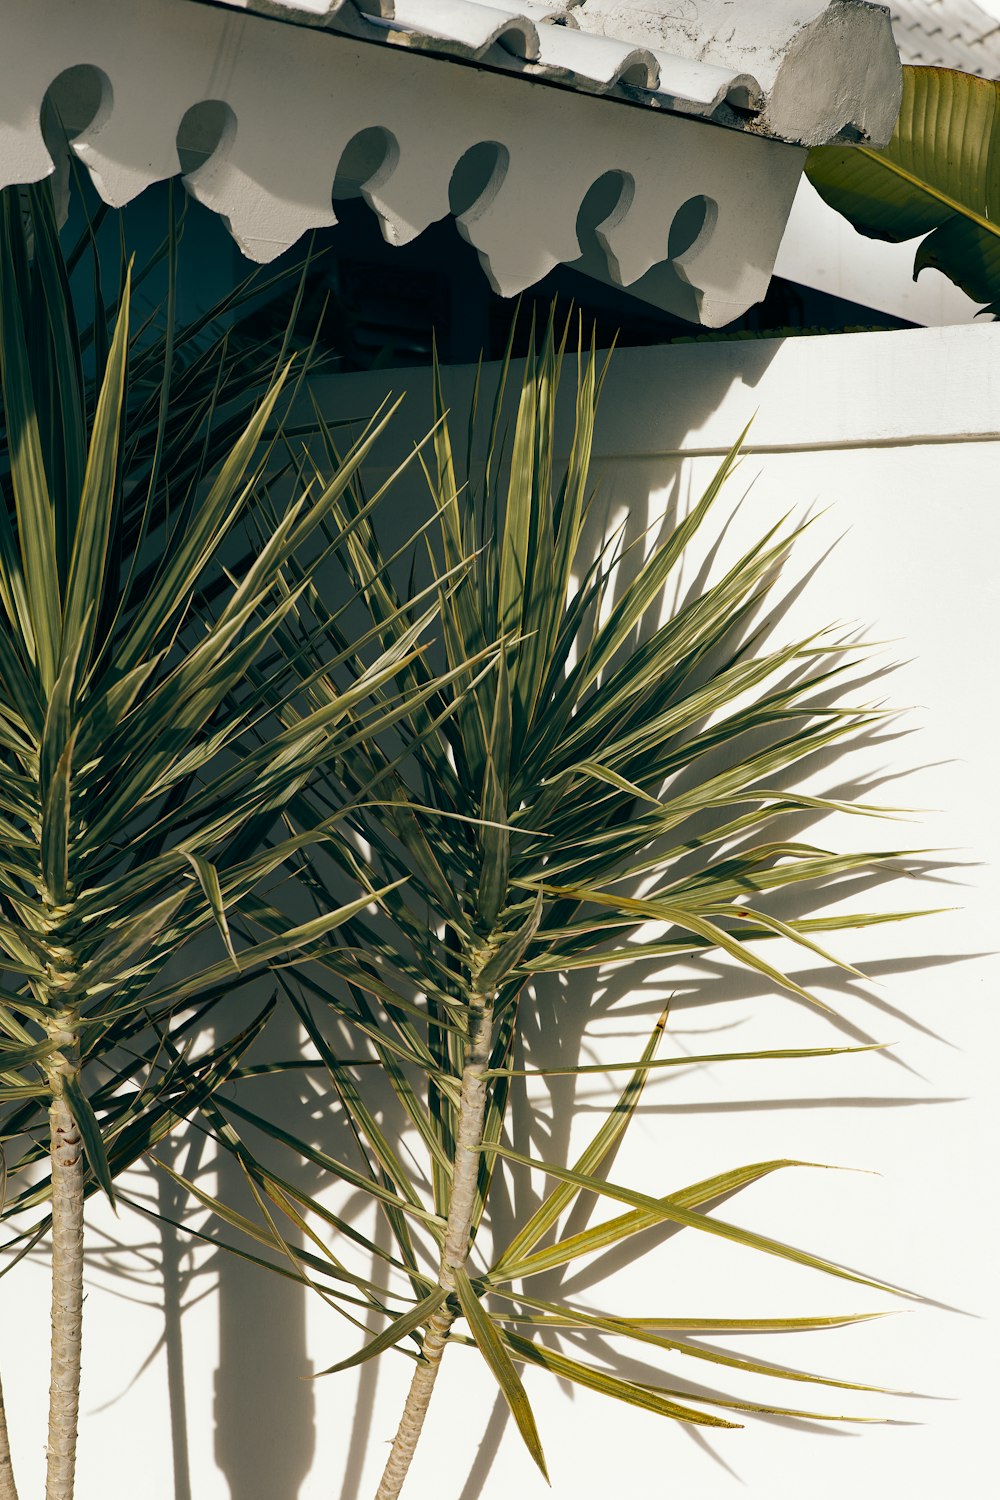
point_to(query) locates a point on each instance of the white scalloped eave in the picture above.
(687, 217)
(803, 71)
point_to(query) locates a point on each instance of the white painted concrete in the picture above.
(896, 438)
(295, 99)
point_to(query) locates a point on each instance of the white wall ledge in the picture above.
(851, 390)
(803, 394)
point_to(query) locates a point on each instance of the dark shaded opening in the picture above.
(202, 130)
(688, 222)
(604, 199)
(74, 100)
(367, 158)
(479, 171)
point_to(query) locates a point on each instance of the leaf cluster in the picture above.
(140, 618)
(938, 178)
(567, 783)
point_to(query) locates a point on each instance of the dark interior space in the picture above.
(379, 305)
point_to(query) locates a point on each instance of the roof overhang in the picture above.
(258, 115)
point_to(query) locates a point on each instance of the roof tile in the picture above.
(947, 34)
(803, 71)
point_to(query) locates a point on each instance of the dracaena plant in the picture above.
(553, 799)
(138, 631)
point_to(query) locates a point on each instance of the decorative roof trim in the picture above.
(261, 119)
(807, 72)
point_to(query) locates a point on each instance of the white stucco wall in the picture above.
(895, 438)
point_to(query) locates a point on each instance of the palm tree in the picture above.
(541, 809)
(137, 645)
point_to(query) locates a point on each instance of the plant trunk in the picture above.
(8, 1489)
(66, 1157)
(469, 1140)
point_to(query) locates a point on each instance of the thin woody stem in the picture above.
(66, 1158)
(468, 1144)
(8, 1489)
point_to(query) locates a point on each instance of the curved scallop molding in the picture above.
(258, 118)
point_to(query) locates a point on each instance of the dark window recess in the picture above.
(384, 305)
